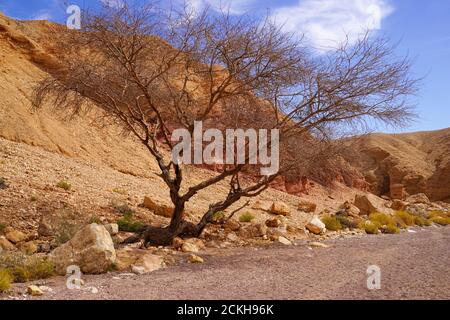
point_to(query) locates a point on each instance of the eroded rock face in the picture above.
(405, 164)
(91, 249)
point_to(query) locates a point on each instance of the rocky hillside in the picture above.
(418, 162)
(407, 163)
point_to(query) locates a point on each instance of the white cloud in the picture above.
(235, 7)
(113, 3)
(42, 15)
(326, 23)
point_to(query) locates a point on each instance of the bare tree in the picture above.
(151, 70)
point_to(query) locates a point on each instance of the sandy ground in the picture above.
(413, 266)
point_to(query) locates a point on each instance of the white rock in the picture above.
(138, 269)
(284, 241)
(318, 223)
(91, 249)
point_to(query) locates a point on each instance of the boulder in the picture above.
(34, 291)
(273, 223)
(195, 259)
(138, 261)
(284, 241)
(6, 245)
(316, 226)
(307, 206)
(91, 249)
(158, 208)
(189, 247)
(28, 247)
(262, 205)
(232, 225)
(15, 236)
(313, 229)
(254, 230)
(398, 205)
(280, 208)
(418, 198)
(370, 203)
(350, 209)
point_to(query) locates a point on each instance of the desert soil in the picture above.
(413, 266)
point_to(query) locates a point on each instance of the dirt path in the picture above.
(413, 266)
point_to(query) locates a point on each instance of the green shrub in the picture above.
(128, 224)
(407, 218)
(422, 222)
(370, 227)
(347, 222)
(3, 184)
(119, 191)
(33, 198)
(381, 219)
(390, 229)
(218, 216)
(2, 227)
(5, 280)
(64, 185)
(24, 268)
(437, 213)
(332, 223)
(246, 217)
(441, 220)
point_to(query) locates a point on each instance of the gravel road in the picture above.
(413, 266)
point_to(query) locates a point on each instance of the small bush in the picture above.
(422, 222)
(128, 224)
(370, 227)
(64, 185)
(437, 213)
(123, 209)
(120, 191)
(381, 219)
(332, 223)
(5, 280)
(246, 217)
(390, 229)
(441, 221)
(33, 198)
(406, 217)
(218, 216)
(3, 184)
(24, 268)
(95, 219)
(2, 227)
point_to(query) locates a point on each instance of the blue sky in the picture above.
(422, 27)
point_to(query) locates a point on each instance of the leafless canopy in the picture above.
(152, 70)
